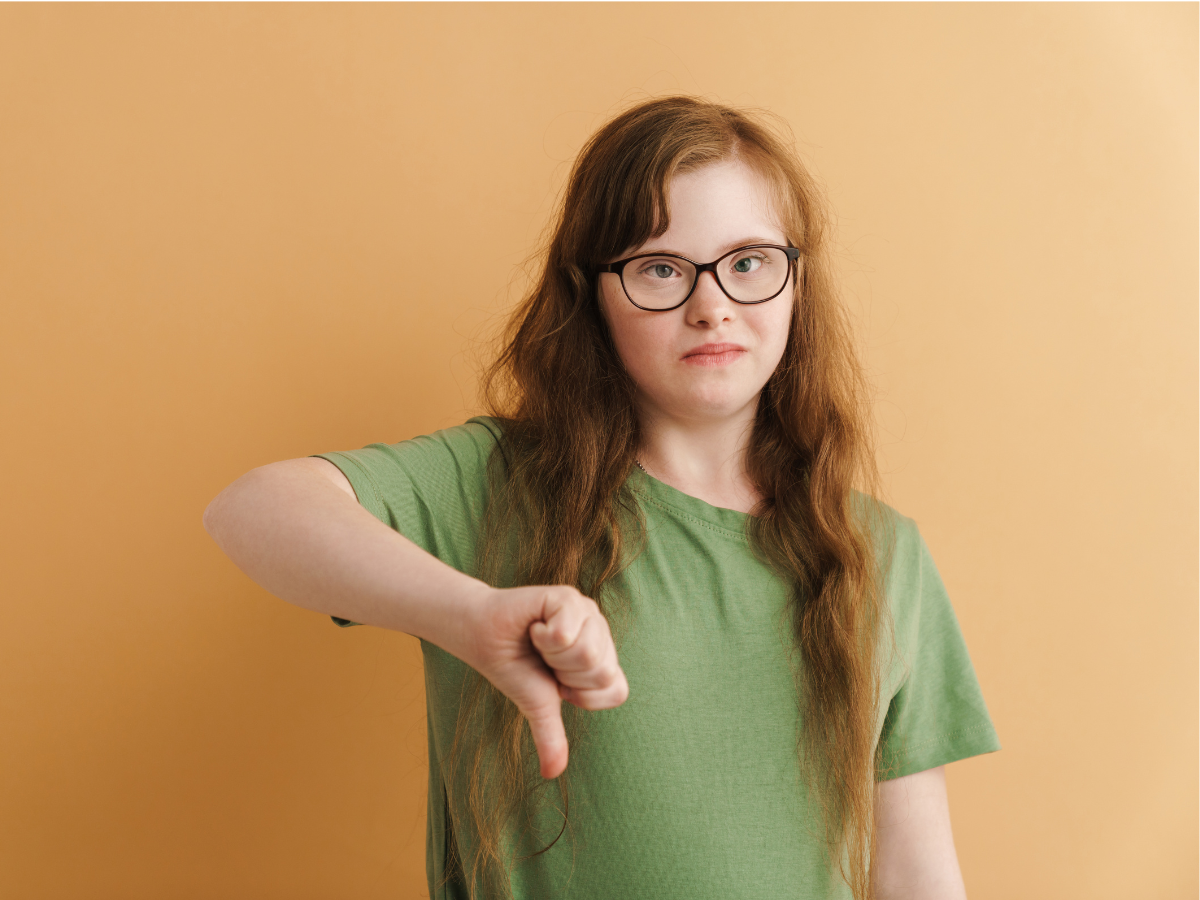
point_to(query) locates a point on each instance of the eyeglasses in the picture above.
(663, 281)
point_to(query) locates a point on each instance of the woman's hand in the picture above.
(539, 646)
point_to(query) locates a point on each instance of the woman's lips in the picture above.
(714, 354)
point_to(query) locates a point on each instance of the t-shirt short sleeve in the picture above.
(937, 714)
(432, 489)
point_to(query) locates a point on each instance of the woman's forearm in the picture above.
(915, 858)
(294, 532)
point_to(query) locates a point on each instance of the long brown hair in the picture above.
(560, 511)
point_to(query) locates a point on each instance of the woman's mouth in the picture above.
(714, 354)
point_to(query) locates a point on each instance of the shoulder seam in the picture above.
(376, 495)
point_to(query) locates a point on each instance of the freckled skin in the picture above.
(712, 211)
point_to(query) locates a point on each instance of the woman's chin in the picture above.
(712, 405)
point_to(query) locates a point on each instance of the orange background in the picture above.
(234, 234)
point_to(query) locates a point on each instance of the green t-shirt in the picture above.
(691, 789)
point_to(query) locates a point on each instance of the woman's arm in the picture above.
(915, 857)
(297, 529)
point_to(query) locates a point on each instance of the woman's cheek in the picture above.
(634, 343)
(640, 357)
(629, 347)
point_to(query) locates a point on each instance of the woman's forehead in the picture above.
(721, 206)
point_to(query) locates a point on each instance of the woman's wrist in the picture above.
(455, 627)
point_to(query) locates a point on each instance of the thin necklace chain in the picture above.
(638, 463)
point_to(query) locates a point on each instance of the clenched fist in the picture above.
(539, 646)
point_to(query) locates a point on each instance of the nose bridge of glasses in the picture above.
(711, 269)
(716, 292)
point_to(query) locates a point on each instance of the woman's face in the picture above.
(708, 359)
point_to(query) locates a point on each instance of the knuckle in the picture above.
(601, 697)
(594, 701)
(619, 689)
(589, 655)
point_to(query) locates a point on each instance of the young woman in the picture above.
(669, 521)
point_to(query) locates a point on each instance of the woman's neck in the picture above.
(704, 458)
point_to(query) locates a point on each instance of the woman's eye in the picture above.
(660, 270)
(747, 264)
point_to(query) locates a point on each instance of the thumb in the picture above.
(549, 737)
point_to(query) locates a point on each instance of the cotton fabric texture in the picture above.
(691, 789)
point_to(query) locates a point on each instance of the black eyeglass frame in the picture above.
(618, 268)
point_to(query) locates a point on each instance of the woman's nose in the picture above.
(708, 304)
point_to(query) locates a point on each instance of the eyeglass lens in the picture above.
(661, 282)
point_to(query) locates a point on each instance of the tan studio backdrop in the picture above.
(234, 234)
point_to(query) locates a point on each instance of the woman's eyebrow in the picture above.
(733, 245)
